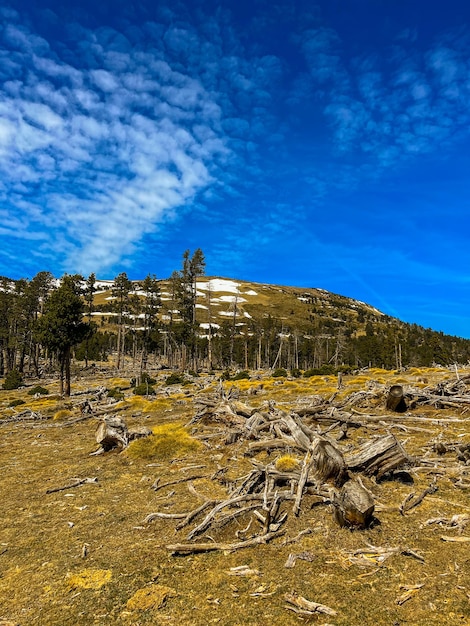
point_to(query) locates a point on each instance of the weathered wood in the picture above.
(379, 456)
(75, 482)
(411, 501)
(273, 444)
(328, 462)
(138, 432)
(396, 399)
(307, 607)
(192, 548)
(353, 505)
(218, 507)
(193, 514)
(112, 433)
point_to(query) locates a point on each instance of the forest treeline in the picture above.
(46, 324)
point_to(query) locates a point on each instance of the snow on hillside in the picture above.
(219, 284)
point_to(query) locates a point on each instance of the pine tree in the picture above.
(184, 285)
(121, 289)
(151, 306)
(61, 325)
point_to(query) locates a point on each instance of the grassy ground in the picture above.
(84, 555)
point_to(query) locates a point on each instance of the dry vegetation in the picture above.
(77, 546)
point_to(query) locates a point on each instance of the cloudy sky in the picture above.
(322, 144)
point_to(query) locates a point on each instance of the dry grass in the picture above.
(167, 442)
(84, 556)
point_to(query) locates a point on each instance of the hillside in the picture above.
(314, 326)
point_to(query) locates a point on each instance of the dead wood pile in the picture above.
(331, 471)
(270, 493)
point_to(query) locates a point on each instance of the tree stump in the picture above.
(112, 433)
(328, 462)
(396, 400)
(353, 505)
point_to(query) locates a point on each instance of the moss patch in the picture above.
(151, 597)
(89, 579)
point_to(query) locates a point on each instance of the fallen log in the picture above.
(379, 456)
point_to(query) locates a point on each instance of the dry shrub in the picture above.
(167, 441)
(151, 597)
(89, 579)
(286, 463)
(61, 414)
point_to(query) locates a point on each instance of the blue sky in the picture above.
(318, 144)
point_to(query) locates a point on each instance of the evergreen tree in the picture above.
(151, 306)
(61, 325)
(184, 286)
(121, 289)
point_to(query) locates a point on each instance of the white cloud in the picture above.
(115, 141)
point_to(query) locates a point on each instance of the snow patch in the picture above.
(219, 284)
(231, 299)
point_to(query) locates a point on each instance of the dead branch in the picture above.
(76, 482)
(192, 548)
(410, 502)
(307, 607)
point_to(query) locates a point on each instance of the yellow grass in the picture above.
(168, 441)
(62, 414)
(286, 463)
(151, 597)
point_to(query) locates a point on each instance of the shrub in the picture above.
(144, 378)
(144, 389)
(14, 403)
(324, 370)
(115, 393)
(62, 414)
(37, 389)
(280, 371)
(243, 375)
(295, 373)
(13, 380)
(175, 379)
